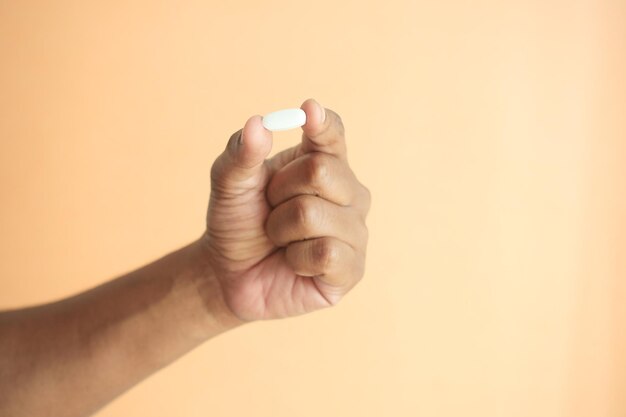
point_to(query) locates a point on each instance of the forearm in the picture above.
(93, 346)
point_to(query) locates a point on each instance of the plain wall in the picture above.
(492, 136)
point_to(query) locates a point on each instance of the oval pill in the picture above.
(284, 119)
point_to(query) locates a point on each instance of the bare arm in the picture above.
(71, 357)
(285, 236)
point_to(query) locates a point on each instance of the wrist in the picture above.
(209, 289)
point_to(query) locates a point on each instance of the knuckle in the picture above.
(215, 170)
(305, 214)
(317, 170)
(359, 273)
(270, 228)
(218, 172)
(325, 254)
(366, 233)
(368, 194)
(360, 230)
(368, 197)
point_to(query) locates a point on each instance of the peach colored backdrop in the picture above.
(492, 135)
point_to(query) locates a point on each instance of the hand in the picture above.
(286, 235)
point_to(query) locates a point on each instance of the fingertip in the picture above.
(255, 141)
(254, 127)
(315, 113)
(323, 131)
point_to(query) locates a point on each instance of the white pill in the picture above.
(284, 119)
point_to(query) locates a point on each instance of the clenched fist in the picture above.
(286, 235)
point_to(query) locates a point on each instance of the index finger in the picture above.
(323, 130)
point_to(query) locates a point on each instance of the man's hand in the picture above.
(286, 235)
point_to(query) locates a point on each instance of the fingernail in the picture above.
(240, 138)
(322, 110)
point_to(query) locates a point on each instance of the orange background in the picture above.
(491, 134)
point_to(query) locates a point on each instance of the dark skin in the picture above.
(285, 236)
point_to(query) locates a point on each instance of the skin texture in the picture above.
(300, 239)
(285, 236)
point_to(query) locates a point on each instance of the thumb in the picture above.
(241, 163)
